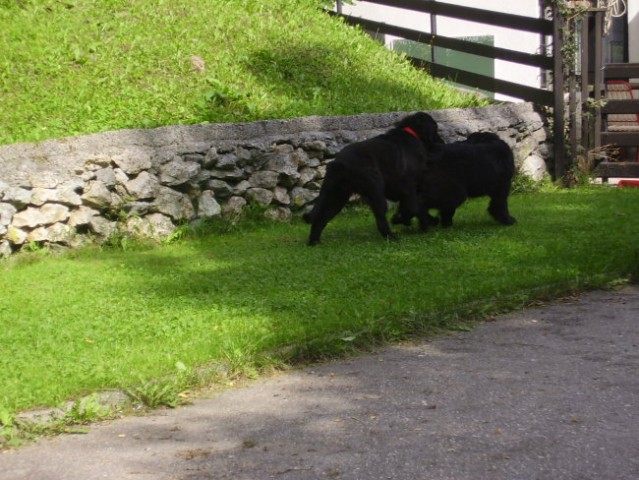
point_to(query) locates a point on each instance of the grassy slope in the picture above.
(82, 66)
(123, 317)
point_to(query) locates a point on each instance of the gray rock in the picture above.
(102, 227)
(226, 162)
(120, 176)
(97, 162)
(241, 188)
(211, 158)
(234, 174)
(301, 196)
(207, 205)
(281, 196)
(82, 216)
(534, 167)
(5, 249)
(54, 213)
(7, 211)
(144, 186)
(176, 205)
(221, 188)
(286, 165)
(155, 226)
(45, 215)
(260, 195)
(279, 214)
(178, 172)
(307, 174)
(97, 195)
(56, 233)
(264, 179)
(234, 207)
(315, 149)
(17, 196)
(15, 235)
(106, 176)
(134, 159)
(137, 208)
(65, 195)
(43, 179)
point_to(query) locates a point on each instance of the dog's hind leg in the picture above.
(378, 205)
(406, 210)
(498, 208)
(446, 215)
(328, 205)
(454, 197)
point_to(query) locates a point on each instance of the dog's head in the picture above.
(424, 126)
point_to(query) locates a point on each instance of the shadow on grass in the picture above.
(357, 286)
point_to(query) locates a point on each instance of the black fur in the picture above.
(482, 165)
(388, 166)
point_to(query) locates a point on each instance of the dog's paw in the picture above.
(433, 221)
(397, 219)
(392, 237)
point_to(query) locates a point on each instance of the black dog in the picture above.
(389, 166)
(482, 165)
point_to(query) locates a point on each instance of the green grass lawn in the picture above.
(81, 66)
(96, 319)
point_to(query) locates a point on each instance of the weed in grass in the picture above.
(155, 393)
(85, 410)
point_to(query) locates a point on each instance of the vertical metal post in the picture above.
(586, 121)
(543, 46)
(338, 6)
(572, 91)
(558, 89)
(433, 31)
(598, 68)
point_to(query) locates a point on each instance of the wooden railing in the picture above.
(552, 61)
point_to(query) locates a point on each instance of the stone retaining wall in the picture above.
(146, 182)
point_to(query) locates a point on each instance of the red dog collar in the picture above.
(412, 132)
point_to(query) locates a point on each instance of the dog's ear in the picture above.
(428, 128)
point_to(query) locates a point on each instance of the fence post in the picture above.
(586, 114)
(558, 89)
(598, 80)
(338, 6)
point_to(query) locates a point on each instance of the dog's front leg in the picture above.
(379, 207)
(408, 207)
